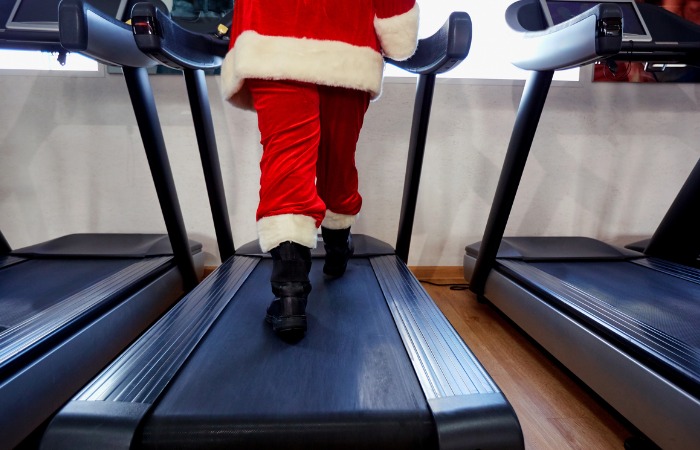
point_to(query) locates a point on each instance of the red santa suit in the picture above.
(309, 68)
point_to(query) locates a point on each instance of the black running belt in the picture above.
(650, 312)
(27, 289)
(348, 381)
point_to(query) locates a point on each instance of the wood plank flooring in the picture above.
(554, 410)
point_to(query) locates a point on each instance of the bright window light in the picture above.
(44, 61)
(487, 59)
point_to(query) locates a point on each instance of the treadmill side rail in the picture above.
(468, 408)
(661, 409)
(19, 339)
(117, 400)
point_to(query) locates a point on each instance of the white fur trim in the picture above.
(273, 230)
(232, 84)
(398, 35)
(330, 63)
(335, 221)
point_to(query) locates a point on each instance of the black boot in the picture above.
(291, 263)
(339, 249)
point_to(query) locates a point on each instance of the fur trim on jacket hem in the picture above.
(330, 63)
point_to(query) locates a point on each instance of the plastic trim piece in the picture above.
(104, 245)
(573, 43)
(460, 393)
(556, 248)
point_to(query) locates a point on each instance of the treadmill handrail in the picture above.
(593, 35)
(443, 50)
(85, 29)
(436, 54)
(157, 35)
(174, 46)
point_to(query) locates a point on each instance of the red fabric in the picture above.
(317, 19)
(326, 57)
(309, 135)
(329, 42)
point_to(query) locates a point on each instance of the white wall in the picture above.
(607, 161)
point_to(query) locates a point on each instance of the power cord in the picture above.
(452, 286)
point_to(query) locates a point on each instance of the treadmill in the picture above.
(33, 24)
(380, 367)
(70, 305)
(624, 322)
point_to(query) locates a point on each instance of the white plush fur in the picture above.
(274, 230)
(335, 221)
(398, 35)
(330, 63)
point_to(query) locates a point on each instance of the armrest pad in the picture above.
(443, 50)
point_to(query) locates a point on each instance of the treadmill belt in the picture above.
(666, 303)
(650, 313)
(348, 381)
(35, 285)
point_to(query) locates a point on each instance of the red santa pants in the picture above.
(308, 176)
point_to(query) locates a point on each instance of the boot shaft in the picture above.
(339, 250)
(335, 240)
(290, 262)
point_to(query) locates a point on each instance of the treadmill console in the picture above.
(633, 26)
(42, 15)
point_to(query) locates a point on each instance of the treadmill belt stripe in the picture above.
(663, 346)
(677, 270)
(141, 373)
(444, 365)
(19, 338)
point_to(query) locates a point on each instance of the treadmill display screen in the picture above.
(27, 13)
(561, 11)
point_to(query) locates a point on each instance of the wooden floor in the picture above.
(555, 412)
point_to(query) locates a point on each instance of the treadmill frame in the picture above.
(467, 406)
(656, 406)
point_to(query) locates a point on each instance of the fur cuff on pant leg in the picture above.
(335, 221)
(274, 230)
